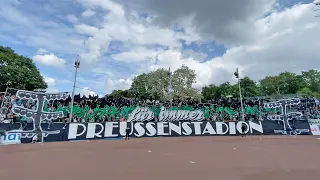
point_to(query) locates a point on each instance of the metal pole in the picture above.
(5, 93)
(240, 96)
(171, 94)
(76, 65)
(260, 116)
(170, 87)
(306, 113)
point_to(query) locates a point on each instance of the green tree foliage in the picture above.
(19, 70)
(223, 90)
(311, 79)
(150, 85)
(154, 85)
(307, 83)
(139, 87)
(270, 85)
(120, 93)
(249, 87)
(211, 92)
(284, 83)
(306, 91)
(158, 81)
(182, 80)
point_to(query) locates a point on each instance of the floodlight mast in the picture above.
(76, 65)
(170, 87)
(240, 93)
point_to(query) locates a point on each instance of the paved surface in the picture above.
(184, 158)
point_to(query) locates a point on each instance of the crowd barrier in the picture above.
(86, 131)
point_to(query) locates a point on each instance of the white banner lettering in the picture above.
(145, 114)
(150, 129)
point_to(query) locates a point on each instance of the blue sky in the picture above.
(117, 40)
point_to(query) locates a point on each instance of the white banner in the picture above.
(11, 138)
(315, 126)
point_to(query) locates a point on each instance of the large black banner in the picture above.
(84, 131)
(81, 131)
(27, 132)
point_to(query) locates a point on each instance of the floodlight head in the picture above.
(236, 75)
(77, 64)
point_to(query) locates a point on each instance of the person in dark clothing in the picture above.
(127, 133)
(293, 130)
(243, 130)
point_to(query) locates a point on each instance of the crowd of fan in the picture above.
(94, 109)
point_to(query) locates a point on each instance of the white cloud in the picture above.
(49, 60)
(281, 47)
(10, 13)
(136, 54)
(86, 29)
(96, 46)
(107, 5)
(118, 84)
(264, 43)
(311, 25)
(51, 82)
(72, 18)
(41, 51)
(105, 84)
(85, 91)
(188, 53)
(261, 39)
(88, 13)
(226, 21)
(117, 25)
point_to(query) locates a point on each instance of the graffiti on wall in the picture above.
(38, 115)
(287, 118)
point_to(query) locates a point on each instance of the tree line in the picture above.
(307, 83)
(154, 85)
